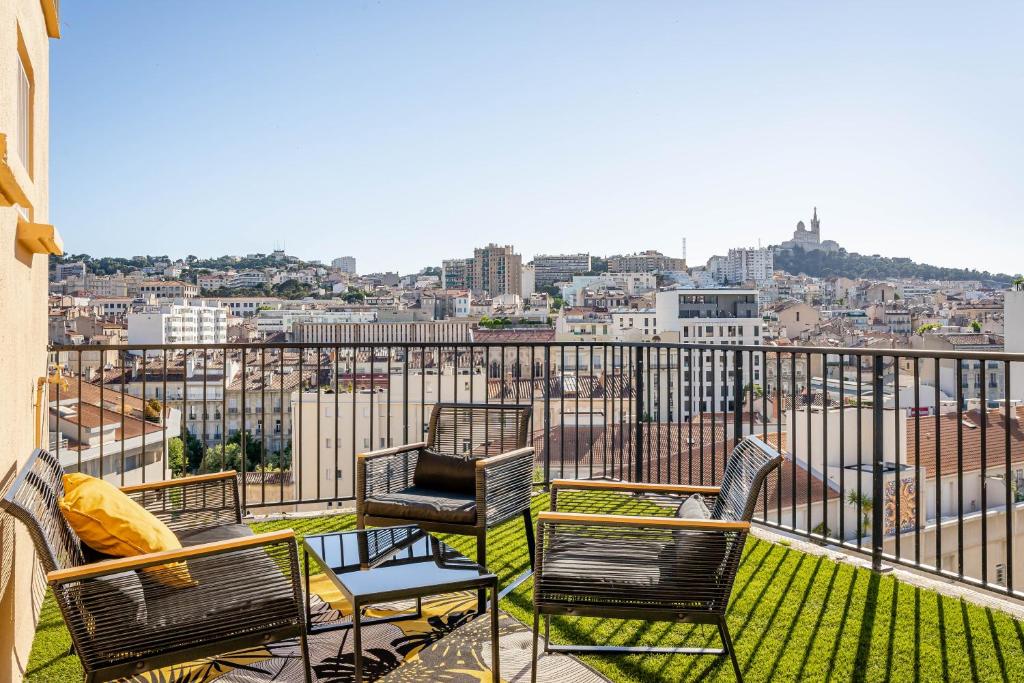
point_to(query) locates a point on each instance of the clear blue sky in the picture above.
(406, 132)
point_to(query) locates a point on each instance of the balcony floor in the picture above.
(793, 616)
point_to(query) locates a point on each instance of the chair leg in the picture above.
(530, 542)
(307, 668)
(536, 637)
(723, 631)
(481, 559)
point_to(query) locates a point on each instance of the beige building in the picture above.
(25, 29)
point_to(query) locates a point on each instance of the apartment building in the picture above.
(752, 264)
(184, 322)
(26, 26)
(169, 289)
(346, 264)
(645, 262)
(331, 428)
(441, 331)
(493, 270)
(67, 271)
(725, 317)
(552, 268)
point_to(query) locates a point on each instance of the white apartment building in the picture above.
(184, 322)
(641, 322)
(346, 264)
(725, 317)
(283, 320)
(743, 264)
(629, 282)
(330, 429)
(552, 268)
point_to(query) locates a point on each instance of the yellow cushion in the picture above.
(110, 522)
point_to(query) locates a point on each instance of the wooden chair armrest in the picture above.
(674, 523)
(369, 455)
(183, 481)
(636, 487)
(122, 564)
(483, 463)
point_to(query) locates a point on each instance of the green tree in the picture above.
(976, 326)
(153, 410)
(866, 506)
(176, 456)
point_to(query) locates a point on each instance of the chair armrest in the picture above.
(504, 484)
(633, 487)
(204, 500)
(668, 523)
(123, 564)
(183, 481)
(384, 452)
(385, 471)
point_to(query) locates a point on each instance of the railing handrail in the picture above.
(1005, 356)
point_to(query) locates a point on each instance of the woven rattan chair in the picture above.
(245, 590)
(625, 550)
(489, 482)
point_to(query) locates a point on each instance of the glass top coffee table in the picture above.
(373, 566)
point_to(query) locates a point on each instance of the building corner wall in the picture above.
(23, 322)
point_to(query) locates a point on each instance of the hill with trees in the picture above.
(849, 264)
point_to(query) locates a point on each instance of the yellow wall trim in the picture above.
(40, 238)
(10, 191)
(52, 20)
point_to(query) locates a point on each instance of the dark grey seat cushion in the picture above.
(238, 588)
(445, 472)
(597, 565)
(243, 584)
(417, 503)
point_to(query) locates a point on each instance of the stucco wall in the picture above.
(23, 324)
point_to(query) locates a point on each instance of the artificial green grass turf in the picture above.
(793, 617)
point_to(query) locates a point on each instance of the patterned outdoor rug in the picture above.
(408, 650)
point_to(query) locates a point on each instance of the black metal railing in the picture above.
(914, 457)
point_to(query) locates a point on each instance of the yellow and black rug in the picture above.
(406, 650)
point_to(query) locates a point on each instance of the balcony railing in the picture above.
(886, 451)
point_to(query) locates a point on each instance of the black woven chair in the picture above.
(472, 473)
(647, 551)
(246, 589)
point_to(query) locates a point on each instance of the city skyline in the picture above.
(392, 132)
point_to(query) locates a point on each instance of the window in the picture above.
(24, 108)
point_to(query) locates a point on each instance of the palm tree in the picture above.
(1018, 284)
(866, 505)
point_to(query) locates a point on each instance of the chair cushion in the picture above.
(445, 472)
(243, 585)
(581, 563)
(697, 551)
(417, 503)
(110, 522)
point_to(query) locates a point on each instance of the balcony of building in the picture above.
(925, 585)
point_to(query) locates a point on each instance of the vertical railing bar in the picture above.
(842, 449)
(1010, 490)
(938, 468)
(243, 453)
(878, 462)
(792, 435)
(860, 451)
(919, 514)
(960, 467)
(897, 474)
(825, 412)
(983, 414)
(547, 414)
